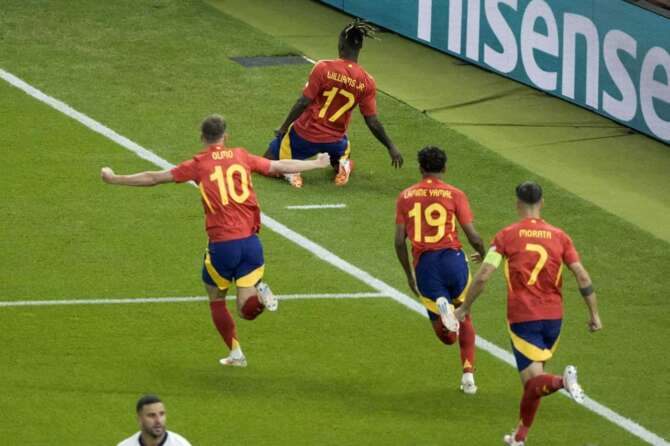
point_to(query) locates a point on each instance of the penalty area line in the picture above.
(319, 251)
(158, 300)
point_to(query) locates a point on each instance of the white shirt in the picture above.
(172, 439)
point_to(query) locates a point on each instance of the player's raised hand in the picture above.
(595, 324)
(396, 157)
(323, 160)
(107, 174)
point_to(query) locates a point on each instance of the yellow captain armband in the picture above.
(493, 258)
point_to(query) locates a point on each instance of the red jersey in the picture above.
(429, 210)
(335, 88)
(534, 254)
(224, 177)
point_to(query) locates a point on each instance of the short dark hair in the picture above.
(213, 128)
(353, 34)
(529, 192)
(145, 401)
(432, 159)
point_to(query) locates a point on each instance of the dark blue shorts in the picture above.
(292, 146)
(442, 273)
(534, 341)
(240, 261)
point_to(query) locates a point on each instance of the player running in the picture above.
(427, 213)
(534, 253)
(319, 119)
(232, 220)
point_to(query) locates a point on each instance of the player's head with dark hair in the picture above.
(432, 159)
(213, 128)
(529, 193)
(146, 400)
(151, 416)
(352, 36)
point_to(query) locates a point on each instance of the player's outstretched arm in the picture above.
(296, 166)
(589, 295)
(138, 179)
(489, 266)
(377, 129)
(403, 257)
(475, 240)
(300, 106)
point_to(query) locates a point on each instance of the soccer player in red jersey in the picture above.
(426, 213)
(232, 220)
(534, 253)
(319, 119)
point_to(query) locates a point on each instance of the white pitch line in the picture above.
(317, 206)
(312, 61)
(157, 300)
(321, 252)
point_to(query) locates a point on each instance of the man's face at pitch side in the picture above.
(152, 419)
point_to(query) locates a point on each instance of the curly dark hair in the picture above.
(432, 159)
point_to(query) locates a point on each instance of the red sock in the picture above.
(444, 335)
(466, 340)
(252, 308)
(224, 322)
(534, 390)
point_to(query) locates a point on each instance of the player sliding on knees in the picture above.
(534, 252)
(427, 213)
(232, 218)
(319, 119)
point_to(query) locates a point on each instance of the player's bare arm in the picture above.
(586, 289)
(296, 166)
(141, 179)
(298, 108)
(403, 257)
(475, 241)
(377, 129)
(489, 266)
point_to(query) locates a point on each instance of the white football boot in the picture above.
(234, 361)
(343, 172)
(510, 441)
(468, 385)
(447, 314)
(266, 296)
(570, 384)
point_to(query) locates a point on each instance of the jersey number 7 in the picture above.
(540, 263)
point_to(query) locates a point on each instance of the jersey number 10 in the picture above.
(226, 184)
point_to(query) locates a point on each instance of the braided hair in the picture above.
(353, 34)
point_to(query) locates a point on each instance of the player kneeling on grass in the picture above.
(534, 252)
(319, 120)
(426, 213)
(232, 220)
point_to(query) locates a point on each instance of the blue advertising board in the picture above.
(606, 55)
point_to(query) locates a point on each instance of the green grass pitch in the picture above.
(365, 371)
